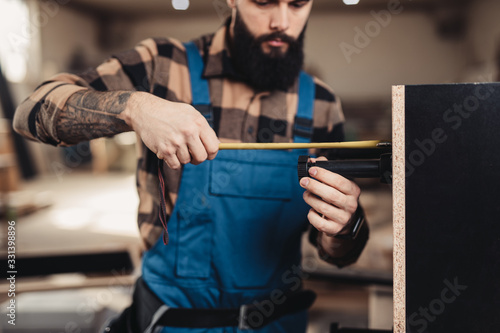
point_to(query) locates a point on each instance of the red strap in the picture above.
(163, 207)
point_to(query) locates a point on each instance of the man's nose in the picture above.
(279, 19)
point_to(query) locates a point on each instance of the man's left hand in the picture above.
(333, 199)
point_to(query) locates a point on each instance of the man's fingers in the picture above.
(194, 150)
(171, 160)
(323, 224)
(197, 150)
(210, 142)
(332, 179)
(329, 211)
(183, 155)
(315, 159)
(329, 194)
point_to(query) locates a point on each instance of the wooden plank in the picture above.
(398, 195)
(446, 211)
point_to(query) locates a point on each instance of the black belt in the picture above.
(248, 316)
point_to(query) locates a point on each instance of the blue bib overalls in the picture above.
(235, 231)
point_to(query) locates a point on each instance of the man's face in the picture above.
(277, 17)
(267, 41)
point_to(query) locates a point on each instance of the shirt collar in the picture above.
(219, 56)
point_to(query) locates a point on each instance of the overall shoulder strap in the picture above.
(199, 85)
(303, 127)
(201, 101)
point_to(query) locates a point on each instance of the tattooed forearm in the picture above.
(92, 114)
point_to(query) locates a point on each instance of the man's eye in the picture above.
(298, 4)
(262, 3)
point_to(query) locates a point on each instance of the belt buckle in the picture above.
(242, 320)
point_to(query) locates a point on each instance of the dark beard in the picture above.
(276, 70)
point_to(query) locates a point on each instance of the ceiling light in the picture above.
(351, 2)
(180, 4)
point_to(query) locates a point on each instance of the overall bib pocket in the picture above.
(252, 191)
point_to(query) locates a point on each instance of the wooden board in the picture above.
(446, 189)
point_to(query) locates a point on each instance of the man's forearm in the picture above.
(61, 112)
(92, 114)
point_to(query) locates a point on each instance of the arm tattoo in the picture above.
(92, 114)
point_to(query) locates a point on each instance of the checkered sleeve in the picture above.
(38, 116)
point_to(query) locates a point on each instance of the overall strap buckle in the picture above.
(243, 318)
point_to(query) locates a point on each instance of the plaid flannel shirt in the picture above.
(159, 66)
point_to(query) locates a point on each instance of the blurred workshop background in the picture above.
(77, 246)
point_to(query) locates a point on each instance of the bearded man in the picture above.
(222, 234)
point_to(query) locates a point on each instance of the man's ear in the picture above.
(231, 4)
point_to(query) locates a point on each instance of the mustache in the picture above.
(275, 35)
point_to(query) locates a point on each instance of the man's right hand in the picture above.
(175, 132)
